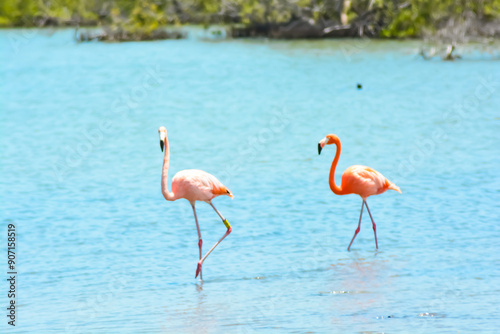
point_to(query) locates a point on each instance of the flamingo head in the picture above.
(328, 140)
(163, 135)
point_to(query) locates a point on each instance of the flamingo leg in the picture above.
(200, 241)
(374, 226)
(229, 229)
(359, 226)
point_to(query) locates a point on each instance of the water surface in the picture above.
(101, 251)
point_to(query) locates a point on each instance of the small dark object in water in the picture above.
(360, 86)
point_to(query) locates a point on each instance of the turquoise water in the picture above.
(100, 251)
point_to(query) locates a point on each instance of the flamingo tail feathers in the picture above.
(392, 186)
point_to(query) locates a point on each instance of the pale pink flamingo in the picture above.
(361, 180)
(193, 185)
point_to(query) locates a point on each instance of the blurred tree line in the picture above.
(389, 18)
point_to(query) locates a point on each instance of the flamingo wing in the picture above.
(206, 180)
(363, 180)
(198, 185)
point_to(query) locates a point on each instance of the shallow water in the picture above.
(101, 251)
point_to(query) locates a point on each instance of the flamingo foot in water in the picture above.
(198, 270)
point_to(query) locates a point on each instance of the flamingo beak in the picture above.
(322, 144)
(163, 136)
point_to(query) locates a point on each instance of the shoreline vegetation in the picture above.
(447, 21)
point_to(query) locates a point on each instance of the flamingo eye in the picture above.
(228, 191)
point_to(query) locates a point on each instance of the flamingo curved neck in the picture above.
(336, 189)
(169, 196)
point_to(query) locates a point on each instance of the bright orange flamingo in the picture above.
(193, 185)
(357, 179)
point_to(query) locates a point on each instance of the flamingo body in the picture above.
(197, 185)
(365, 181)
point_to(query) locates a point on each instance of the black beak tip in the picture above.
(161, 145)
(319, 148)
